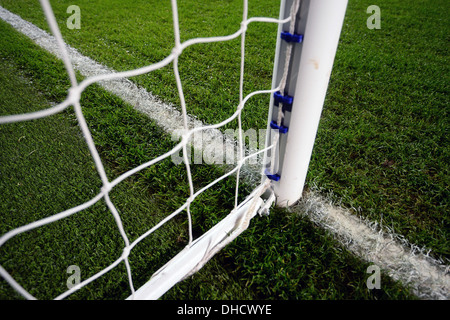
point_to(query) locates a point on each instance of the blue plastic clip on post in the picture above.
(281, 128)
(289, 37)
(285, 100)
(278, 97)
(274, 177)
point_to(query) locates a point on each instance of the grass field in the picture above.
(381, 148)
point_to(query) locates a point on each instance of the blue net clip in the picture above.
(281, 128)
(285, 100)
(289, 37)
(274, 177)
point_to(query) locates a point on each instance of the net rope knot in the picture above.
(244, 25)
(74, 95)
(176, 51)
(126, 252)
(106, 188)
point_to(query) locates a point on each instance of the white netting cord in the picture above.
(177, 52)
(293, 14)
(241, 93)
(280, 115)
(74, 100)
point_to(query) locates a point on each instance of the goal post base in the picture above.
(193, 257)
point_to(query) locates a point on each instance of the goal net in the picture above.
(273, 171)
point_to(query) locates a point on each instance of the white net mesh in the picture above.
(189, 129)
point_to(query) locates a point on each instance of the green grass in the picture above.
(387, 101)
(382, 145)
(91, 240)
(211, 80)
(47, 159)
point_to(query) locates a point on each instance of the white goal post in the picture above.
(308, 36)
(300, 104)
(318, 24)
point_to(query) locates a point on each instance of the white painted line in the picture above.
(165, 115)
(428, 278)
